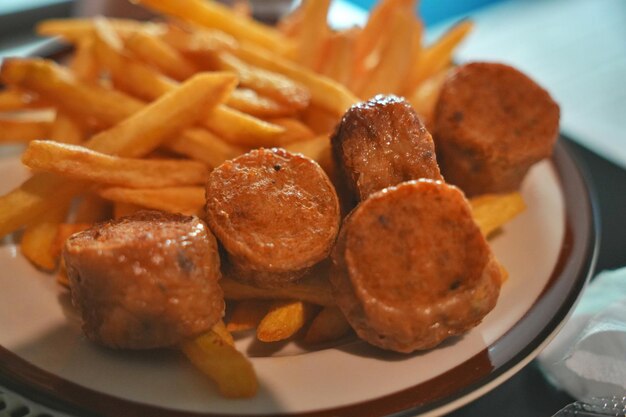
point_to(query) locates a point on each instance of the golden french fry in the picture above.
(249, 101)
(438, 56)
(325, 92)
(211, 14)
(88, 101)
(492, 211)
(66, 129)
(83, 62)
(39, 236)
(319, 119)
(16, 131)
(92, 209)
(268, 83)
(13, 99)
(215, 355)
(247, 314)
(313, 289)
(424, 98)
(186, 200)
(328, 325)
(199, 41)
(159, 54)
(80, 163)
(339, 55)
(203, 146)
(317, 148)
(295, 131)
(242, 129)
(283, 320)
(74, 30)
(313, 32)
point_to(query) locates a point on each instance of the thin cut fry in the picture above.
(283, 320)
(16, 131)
(83, 63)
(492, 211)
(66, 129)
(39, 236)
(77, 162)
(215, 355)
(214, 15)
(249, 101)
(74, 30)
(186, 200)
(247, 314)
(203, 146)
(329, 324)
(424, 98)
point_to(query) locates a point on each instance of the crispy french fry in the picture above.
(199, 41)
(328, 325)
(249, 101)
(317, 148)
(214, 15)
(215, 355)
(438, 56)
(158, 53)
(424, 98)
(39, 236)
(295, 131)
(77, 162)
(74, 30)
(186, 200)
(315, 290)
(268, 83)
(83, 63)
(320, 120)
(203, 146)
(325, 92)
(283, 320)
(492, 211)
(247, 314)
(339, 55)
(313, 32)
(16, 131)
(88, 101)
(66, 129)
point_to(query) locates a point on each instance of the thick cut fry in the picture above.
(247, 314)
(184, 200)
(249, 101)
(135, 136)
(16, 131)
(329, 324)
(88, 101)
(77, 162)
(283, 320)
(203, 146)
(39, 237)
(313, 32)
(315, 290)
(66, 129)
(438, 56)
(214, 355)
(492, 211)
(268, 83)
(159, 54)
(211, 14)
(325, 92)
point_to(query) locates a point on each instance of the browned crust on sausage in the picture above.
(411, 267)
(276, 214)
(145, 281)
(491, 124)
(380, 143)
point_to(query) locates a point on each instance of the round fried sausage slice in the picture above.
(411, 267)
(276, 214)
(491, 124)
(380, 143)
(145, 281)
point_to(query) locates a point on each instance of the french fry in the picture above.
(339, 55)
(315, 290)
(83, 63)
(295, 131)
(325, 92)
(13, 99)
(66, 129)
(158, 53)
(249, 101)
(317, 148)
(492, 211)
(319, 119)
(198, 41)
(268, 83)
(203, 146)
(38, 238)
(313, 32)
(241, 129)
(247, 314)
(62, 233)
(328, 325)
(283, 320)
(424, 98)
(92, 209)
(214, 15)
(186, 200)
(87, 101)
(74, 30)
(438, 56)
(125, 209)
(216, 356)
(16, 131)
(80, 163)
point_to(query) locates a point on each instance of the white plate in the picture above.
(549, 252)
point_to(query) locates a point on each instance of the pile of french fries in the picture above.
(142, 111)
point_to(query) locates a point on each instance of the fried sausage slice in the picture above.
(276, 214)
(380, 143)
(411, 267)
(145, 281)
(491, 124)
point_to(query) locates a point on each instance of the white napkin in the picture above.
(588, 357)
